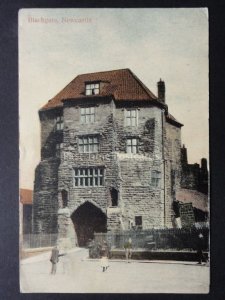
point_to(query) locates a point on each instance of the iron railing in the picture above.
(39, 240)
(164, 239)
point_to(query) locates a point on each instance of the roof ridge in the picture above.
(104, 71)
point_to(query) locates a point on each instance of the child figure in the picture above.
(104, 257)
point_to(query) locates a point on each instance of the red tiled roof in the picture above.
(199, 200)
(121, 84)
(172, 120)
(26, 196)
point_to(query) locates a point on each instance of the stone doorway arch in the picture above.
(88, 219)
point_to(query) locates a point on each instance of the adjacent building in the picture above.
(25, 207)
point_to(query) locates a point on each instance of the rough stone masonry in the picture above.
(110, 158)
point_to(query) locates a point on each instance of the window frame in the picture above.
(87, 114)
(89, 177)
(90, 143)
(133, 120)
(59, 123)
(132, 145)
(92, 88)
(156, 177)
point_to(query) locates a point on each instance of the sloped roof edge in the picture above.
(119, 80)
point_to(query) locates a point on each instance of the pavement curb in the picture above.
(191, 263)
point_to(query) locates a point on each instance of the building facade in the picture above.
(110, 158)
(194, 176)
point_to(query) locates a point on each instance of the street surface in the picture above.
(77, 274)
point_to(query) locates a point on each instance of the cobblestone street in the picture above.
(77, 274)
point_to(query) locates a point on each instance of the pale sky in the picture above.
(171, 44)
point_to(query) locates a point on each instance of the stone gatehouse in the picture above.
(110, 158)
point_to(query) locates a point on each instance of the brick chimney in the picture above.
(161, 91)
(204, 169)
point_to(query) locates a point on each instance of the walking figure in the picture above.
(104, 257)
(128, 249)
(55, 259)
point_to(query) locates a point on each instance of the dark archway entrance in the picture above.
(88, 219)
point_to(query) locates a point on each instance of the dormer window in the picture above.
(92, 88)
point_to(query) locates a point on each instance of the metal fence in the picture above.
(174, 238)
(39, 240)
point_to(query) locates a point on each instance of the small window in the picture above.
(88, 144)
(132, 145)
(114, 197)
(92, 89)
(64, 195)
(58, 149)
(59, 123)
(131, 117)
(156, 179)
(89, 177)
(87, 114)
(138, 222)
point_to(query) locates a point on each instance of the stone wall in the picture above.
(137, 196)
(129, 174)
(194, 176)
(172, 146)
(190, 176)
(123, 171)
(49, 135)
(45, 197)
(71, 158)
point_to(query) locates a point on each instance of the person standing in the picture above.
(54, 259)
(200, 242)
(128, 249)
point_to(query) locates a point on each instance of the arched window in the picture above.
(64, 195)
(114, 197)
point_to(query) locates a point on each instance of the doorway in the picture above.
(88, 219)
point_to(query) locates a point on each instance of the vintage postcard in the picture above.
(113, 110)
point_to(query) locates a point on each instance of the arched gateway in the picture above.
(88, 219)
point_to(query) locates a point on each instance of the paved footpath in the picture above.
(78, 274)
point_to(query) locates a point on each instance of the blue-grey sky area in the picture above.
(55, 45)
